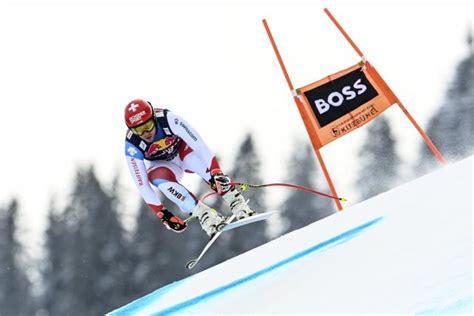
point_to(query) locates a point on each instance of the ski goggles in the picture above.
(148, 126)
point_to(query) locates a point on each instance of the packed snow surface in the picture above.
(408, 250)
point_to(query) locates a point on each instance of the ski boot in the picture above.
(236, 201)
(222, 184)
(209, 218)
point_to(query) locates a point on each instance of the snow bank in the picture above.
(408, 250)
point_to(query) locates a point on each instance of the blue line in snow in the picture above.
(330, 242)
(141, 303)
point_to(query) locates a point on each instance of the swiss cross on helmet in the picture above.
(138, 112)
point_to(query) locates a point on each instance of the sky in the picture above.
(68, 68)
(355, 262)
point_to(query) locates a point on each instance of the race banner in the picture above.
(346, 100)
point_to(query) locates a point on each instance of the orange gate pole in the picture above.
(305, 115)
(425, 137)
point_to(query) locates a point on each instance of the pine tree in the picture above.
(302, 208)
(378, 160)
(156, 252)
(119, 256)
(148, 252)
(452, 128)
(94, 258)
(247, 169)
(54, 271)
(159, 255)
(15, 287)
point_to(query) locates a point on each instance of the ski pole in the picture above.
(244, 186)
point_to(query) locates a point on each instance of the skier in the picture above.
(159, 147)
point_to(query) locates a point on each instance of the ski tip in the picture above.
(190, 264)
(343, 199)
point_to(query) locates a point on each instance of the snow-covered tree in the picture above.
(378, 159)
(302, 208)
(90, 262)
(246, 168)
(159, 255)
(54, 270)
(452, 127)
(15, 287)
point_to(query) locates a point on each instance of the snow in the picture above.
(408, 250)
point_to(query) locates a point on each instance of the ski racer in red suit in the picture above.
(159, 147)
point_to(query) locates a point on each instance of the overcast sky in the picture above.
(68, 68)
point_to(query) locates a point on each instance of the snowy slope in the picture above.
(408, 250)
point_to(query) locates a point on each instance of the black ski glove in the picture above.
(172, 222)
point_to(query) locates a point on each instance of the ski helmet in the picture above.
(138, 112)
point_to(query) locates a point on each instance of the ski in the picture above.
(248, 220)
(192, 263)
(228, 225)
